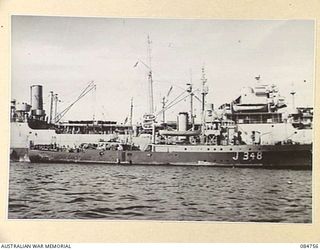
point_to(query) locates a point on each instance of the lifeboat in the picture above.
(249, 107)
(148, 120)
(179, 133)
(149, 117)
(147, 125)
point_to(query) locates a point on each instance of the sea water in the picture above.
(115, 192)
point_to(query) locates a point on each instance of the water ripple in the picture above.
(71, 191)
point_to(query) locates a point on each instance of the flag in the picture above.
(169, 91)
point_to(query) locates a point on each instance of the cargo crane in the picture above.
(88, 88)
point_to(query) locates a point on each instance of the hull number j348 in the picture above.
(247, 156)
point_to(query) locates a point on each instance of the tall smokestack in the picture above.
(36, 97)
(36, 101)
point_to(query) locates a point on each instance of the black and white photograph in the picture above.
(160, 119)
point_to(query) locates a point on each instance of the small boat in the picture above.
(179, 133)
(249, 107)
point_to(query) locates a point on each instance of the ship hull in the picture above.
(286, 156)
(19, 154)
(22, 135)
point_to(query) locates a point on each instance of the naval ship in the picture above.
(250, 131)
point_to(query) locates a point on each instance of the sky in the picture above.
(65, 53)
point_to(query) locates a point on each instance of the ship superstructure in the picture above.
(259, 114)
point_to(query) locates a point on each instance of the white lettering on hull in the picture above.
(247, 156)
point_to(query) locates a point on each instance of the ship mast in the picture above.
(94, 104)
(131, 124)
(56, 100)
(293, 92)
(189, 90)
(164, 102)
(204, 88)
(51, 106)
(150, 81)
(149, 118)
(204, 92)
(131, 112)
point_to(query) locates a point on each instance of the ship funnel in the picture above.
(183, 121)
(36, 100)
(36, 97)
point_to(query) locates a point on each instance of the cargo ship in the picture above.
(30, 124)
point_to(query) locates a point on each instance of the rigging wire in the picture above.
(88, 88)
(177, 98)
(174, 102)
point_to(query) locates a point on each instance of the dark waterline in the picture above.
(73, 191)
